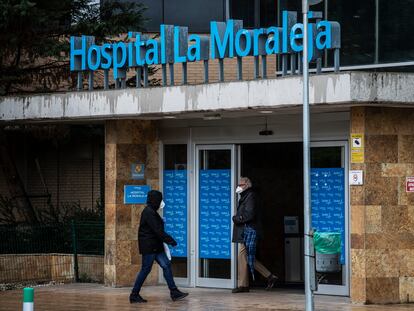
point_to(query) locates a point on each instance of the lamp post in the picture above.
(308, 245)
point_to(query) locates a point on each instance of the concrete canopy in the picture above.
(343, 89)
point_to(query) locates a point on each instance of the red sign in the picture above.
(409, 184)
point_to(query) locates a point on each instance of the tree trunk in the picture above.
(16, 187)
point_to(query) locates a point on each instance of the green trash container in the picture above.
(328, 251)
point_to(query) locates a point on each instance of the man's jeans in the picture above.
(147, 261)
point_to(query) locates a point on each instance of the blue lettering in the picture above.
(106, 56)
(194, 49)
(310, 42)
(324, 37)
(177, 57)
(130, 50)
(162, 43)
(119, 57)
(94, 57)
(272, 42)
(256, 34)
(151, 57)
(222, 43)
(285, 31)
(76, 53)
(138, 45)
(248, 40)
(296, 33)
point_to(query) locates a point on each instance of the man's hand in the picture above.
(236, 219)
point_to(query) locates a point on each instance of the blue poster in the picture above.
(214, 214)
(135, 194)
(175, 210)
(328, 202)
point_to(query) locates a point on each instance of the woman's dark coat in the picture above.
(151, 232)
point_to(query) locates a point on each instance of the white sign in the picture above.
(409, 184)
(356, 178)
(357, 142)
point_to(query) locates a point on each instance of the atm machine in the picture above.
(294, 261)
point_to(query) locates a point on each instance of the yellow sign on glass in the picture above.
(357, 148)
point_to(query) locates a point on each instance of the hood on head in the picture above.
(154, 199)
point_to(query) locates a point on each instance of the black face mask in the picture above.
(154, 199)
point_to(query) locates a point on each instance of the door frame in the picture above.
(340, 290)
(212, 282)
(192, 156)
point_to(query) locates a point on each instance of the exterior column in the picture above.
(382, 212)
(357, 216)
(127, 142)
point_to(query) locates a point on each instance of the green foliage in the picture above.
(34, 37)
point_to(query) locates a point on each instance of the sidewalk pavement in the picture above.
(91, 297)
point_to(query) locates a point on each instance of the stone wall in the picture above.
(126, 142)
(382, 213)
(49, 267)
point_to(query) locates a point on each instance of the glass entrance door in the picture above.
(329, 199)
(215, 180)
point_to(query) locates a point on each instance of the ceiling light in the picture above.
(266, 111)
(169, 117)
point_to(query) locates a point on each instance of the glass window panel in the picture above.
(396, 24)
(175, 212)
(328, 209)
(268, 13)
(218, 162)
(357, 19)
(244, 10)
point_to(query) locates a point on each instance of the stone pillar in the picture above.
(382, 213)
(126, 142)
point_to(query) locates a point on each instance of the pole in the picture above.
(75, 251)
(28, 298)
(309, 305)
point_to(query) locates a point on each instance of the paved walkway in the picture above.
(93, 297)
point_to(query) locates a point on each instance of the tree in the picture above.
(34, 38)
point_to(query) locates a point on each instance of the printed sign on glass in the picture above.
(328, 202)
(214, 214)
(175, 210)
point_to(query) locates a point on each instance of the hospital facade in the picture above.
(192, 139)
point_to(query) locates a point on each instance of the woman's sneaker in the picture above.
(240, 290)
(136, 298)
(177, 295)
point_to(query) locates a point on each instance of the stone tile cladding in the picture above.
(382, 213)
(126, 142)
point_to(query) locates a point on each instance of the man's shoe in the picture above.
(136, 298)
(240, 290)
(177, 295)
(271, 280)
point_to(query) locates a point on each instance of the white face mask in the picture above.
(239, 190)
(162, 204)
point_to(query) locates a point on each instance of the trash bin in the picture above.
(328, 251)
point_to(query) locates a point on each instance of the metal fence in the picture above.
(53, 252)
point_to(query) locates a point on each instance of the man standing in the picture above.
(244, 232)
(151, 236)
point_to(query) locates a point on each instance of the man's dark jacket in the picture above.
(151, 232)
(246, 214)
